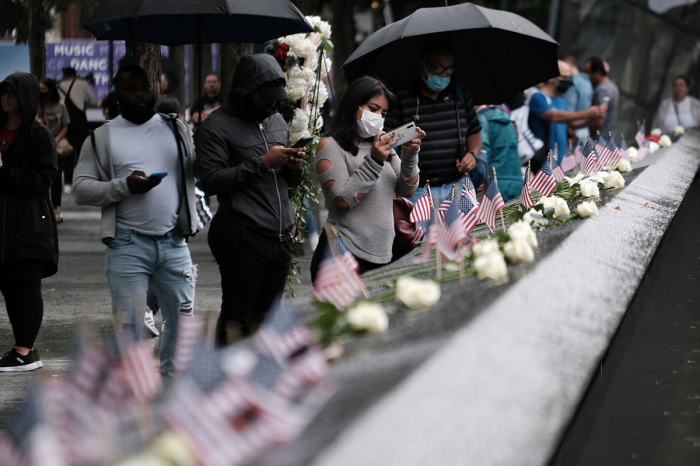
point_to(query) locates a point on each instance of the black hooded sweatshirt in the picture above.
(27, 223)
(230, 146)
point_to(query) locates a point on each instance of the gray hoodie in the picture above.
(230, 146)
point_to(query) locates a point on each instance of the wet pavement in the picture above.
(373, 369)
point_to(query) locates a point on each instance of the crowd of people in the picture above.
(241, 152)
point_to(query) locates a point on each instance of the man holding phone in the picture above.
(144, 219)
(443, 109)
(244, 157)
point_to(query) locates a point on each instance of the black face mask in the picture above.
(43, 95)
(564, 86)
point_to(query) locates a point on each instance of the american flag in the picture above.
(644, 150)
(429, 241)
(590, 163)
(640, 137)
(451, 233)
(189, 330)
(578, 153)
(282, 334)
(467, 212)
(609, 154)
(491, 203)
(557, 171)
(9, 454)
(34, 440)
(624, 149)
(423, 208)
(468, 187)
(600, 144)
(201, 408)
(525, 197)
(140, 371)
(444, 207)
(544, 182)
(337, 281)
(568, 163)
(73, 410)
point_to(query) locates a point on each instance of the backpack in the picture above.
(78, 127)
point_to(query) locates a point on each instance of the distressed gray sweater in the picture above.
(367, 229)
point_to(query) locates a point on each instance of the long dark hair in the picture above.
(344, 126)
(53, 90)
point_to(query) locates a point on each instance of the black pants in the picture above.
(65, 165)
(253, 270)
(20, 284)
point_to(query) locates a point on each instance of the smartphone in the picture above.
(303, 142)
(403, 133)
(157, 176)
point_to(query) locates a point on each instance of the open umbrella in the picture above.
(179, 22)
(497, 53)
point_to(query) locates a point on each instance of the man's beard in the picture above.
(137, 114)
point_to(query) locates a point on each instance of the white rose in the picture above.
(589, 188)
(416, 293)
(522, 231)
(653, 147)
(678, 131)
(519, 251)
(561, 209)
(485, 247)
(665, 141)
(368, 316)
(575, 179)
(634, 154)
(623, 166)
(656, 132)
(491, 266)
(615, 180)
(587, 209)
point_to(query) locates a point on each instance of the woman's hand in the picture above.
(382, 148)
(414, 144)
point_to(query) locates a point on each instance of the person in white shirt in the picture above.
(145, 219)
(679, 110)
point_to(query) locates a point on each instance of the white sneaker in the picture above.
(313, 241)
(150, 323)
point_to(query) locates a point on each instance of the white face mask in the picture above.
(370, 124)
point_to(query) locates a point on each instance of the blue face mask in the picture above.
(436, 83)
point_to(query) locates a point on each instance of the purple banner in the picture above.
(86, 56)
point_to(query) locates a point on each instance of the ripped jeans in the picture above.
(134, 261)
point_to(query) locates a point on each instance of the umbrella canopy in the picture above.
(497, 53)
(179, 22)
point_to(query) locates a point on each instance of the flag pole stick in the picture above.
(495, 180)
(438, 225)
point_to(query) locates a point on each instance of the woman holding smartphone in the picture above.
(360, 172)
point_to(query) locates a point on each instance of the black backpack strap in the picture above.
(70, 88)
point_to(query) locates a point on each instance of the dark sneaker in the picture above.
(37, 358)
(12, 361)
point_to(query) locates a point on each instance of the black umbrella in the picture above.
(497, 53)
(179, 22)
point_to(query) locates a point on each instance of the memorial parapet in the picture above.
(493, 373)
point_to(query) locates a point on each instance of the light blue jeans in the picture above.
(133, 262)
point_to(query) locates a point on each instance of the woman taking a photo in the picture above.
(28, 240)
(359, 174)
(54, 115)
